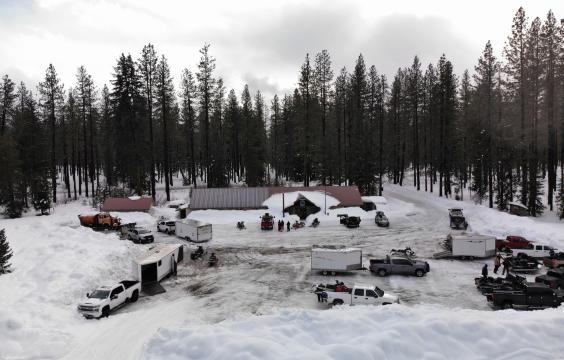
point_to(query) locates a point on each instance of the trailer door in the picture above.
(149, 273)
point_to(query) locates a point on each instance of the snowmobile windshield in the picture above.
(379, 291)
(99, 294)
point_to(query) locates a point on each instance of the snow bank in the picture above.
(393, 332)
(55, 262)
(375, 199)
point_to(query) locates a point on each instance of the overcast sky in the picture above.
(262, 43)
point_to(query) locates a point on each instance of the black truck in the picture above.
(553, 279)
(457, 219)
(349, 221)
(530, 296)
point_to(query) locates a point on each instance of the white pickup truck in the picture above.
(536, 251)
(108, 298)
(357, 295)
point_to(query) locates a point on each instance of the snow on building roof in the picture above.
(329, 248)
(192, 222)
(255, 197)
(156, 253)
(127, 204)
(518, 204)
(375, 199)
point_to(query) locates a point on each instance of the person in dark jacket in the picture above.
(485, 271)
(288, 225)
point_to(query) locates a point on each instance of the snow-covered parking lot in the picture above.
(257, 303)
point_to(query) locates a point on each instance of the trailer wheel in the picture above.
(134, 296)
(382, 272)
(337, 302)
(187, 238)
(324, 272)
(333, 273)
(507, 305)
(419, 273)
(106, 312)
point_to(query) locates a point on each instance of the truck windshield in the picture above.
(378, 291)
(142, 231)
(99, 294)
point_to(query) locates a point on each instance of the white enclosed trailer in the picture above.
(157, 263)
(331, 259)
(472, 245)
(193, 230)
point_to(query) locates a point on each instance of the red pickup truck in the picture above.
(512, 242)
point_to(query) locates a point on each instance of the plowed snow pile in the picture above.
(393, 332)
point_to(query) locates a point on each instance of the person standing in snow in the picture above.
(288, 225)
(497, 263)
(485, 271)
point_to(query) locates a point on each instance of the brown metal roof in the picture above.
(347, 195)
(126, 204)
(253, 197)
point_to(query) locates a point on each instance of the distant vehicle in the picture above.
(510, 282)
(315, 223)
(407, 252)
(555, 261)
(357, 295)
(333, 260)
(241, 225)
(100, 221)
(105, 299)
(298, 225)
(530, 296)
(349, 221)
(381, 219)
(457, 219)
(166, 226)
(399, 265)
(535, 250)
(512, 242)
(193, 230)
(522, 263)
(554, 279)
(267, 222)
(140, 235)
(467, 246)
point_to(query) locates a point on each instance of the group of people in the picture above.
(199, 253)
(498, 262)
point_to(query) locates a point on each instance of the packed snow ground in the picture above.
(257, 303)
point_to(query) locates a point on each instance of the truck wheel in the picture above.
(507, 305)
(333, 273)
(382, 272)
(324, 272)
(337, 302)
(106, 312)
(419, 273)
(134, 296)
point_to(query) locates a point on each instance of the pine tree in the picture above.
(164, 103)
(206, 83)
(187, 100)
(5, 253)
(7, 98)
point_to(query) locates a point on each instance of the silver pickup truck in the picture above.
(398, 265)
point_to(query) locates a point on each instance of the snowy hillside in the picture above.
(257, 303)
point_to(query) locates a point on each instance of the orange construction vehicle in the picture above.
(101, 220)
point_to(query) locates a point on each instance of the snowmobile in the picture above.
(381, 219)
(349, 221)
(197, 254)
(315, 223)
(212, 261)
(406, 252)
(489, 284)
(298, 224)
(457, 219)
(522, 263)
(241, 225)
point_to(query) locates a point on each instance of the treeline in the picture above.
(498, 130)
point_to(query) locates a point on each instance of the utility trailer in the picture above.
(193, 230)
(467, 246)
(332, 259)
(156, 264)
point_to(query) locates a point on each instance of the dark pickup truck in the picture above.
(530, 296)
(553, 278)
(398, 265)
